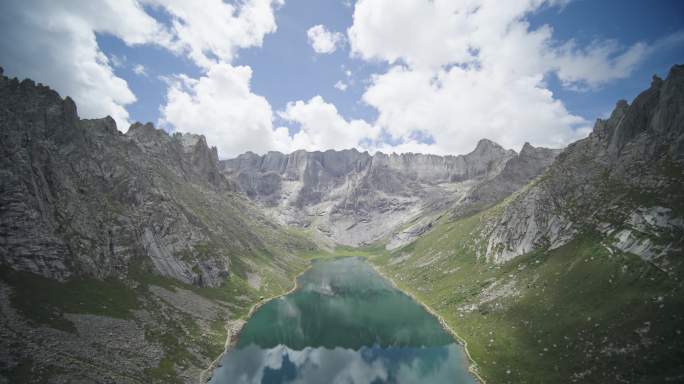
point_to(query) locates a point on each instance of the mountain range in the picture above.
(133, 257)
(355, 199)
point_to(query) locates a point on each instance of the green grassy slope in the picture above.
(575, 314)
(187, 340)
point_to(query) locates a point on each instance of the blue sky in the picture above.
(285, 67)
(531, 70)
(628, 21)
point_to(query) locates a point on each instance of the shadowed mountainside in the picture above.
(138, 232)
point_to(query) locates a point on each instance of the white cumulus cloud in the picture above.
(69, 59)
(221, 106)
(340, 85)
(322, 127)
(458, 107)
(457, 70)
(213, 31)
(322, 40)
(140, 70)
(479, 70)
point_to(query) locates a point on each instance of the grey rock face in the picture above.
(355, 198)
(518, 172)
(77, 197)
(631, 163)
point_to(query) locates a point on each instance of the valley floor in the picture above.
(580, 313)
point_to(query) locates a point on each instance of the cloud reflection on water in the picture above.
(252, 364)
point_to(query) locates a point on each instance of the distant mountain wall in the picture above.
(354, 198)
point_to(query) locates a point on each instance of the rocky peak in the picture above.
(139, 128)
(545, 155)
(147, 133)
(191, 141)
(189, 152)
(671, 108)
(353, 197)
(79, 198)
(197, 146)
(603, 129)
(203, 159)
(657, 81)
(70, 110)
(487, 146)
(619, 111)
(246, 161)
(105, 126)
(652, 111)
(628, 164)
(487, 150)
(516, 173)
(41, 111)
(526, 148)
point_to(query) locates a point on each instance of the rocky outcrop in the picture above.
(355, 198)
(518, 172)
(190, 155)
(631, 163)
(79, 198)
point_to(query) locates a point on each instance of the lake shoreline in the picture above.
(472, 367)
(233, 333)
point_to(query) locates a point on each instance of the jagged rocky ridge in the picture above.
(122, 256)
(625, 181)
(80, 198)
(354, 198)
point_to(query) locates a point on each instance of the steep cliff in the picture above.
(81, 198)
(353, 198)
(518, 172)
(624, 180)
(122, 256)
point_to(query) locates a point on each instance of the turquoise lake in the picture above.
(344, 324)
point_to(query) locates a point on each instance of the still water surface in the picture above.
(344, 324)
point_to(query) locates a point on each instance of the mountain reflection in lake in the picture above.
(344, 324)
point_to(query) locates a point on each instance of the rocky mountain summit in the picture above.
(81, 198)
(625, 181)
(353, 198)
